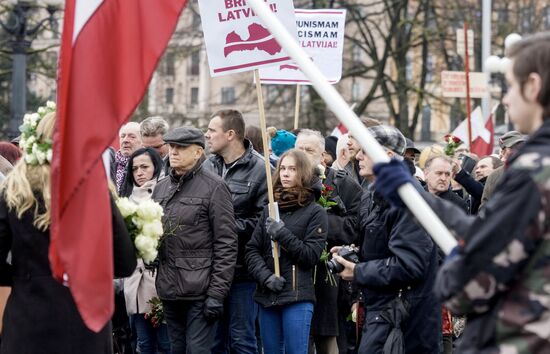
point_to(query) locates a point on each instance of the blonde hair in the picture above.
(25, 182)
(428, 153)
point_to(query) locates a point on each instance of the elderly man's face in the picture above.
(438, 176)
(311, 146)
(184, 158)
(129, 139)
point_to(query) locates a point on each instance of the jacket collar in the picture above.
(539, 141)
(218, 162)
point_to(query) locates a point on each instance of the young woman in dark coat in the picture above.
(287, 301)
(41, 315)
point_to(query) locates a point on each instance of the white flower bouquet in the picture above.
(144, 224)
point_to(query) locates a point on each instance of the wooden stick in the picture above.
(263, 128)
(297, 107)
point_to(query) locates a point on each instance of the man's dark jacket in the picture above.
(342, 230)
(396, 256)
(247, 184)
(199, 246)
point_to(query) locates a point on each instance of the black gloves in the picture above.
(213, 309)
(273, 227)
(275, 283)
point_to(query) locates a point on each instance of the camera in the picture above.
(349, 253)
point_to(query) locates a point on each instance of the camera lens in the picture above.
(334, 267)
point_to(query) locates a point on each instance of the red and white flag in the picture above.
(483, 133)
(109, 51)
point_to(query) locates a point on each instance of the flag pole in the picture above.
(297, 106)
(467, 72)
(272, 211)
(336, 103)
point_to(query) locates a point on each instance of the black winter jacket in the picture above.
(397, 254)
(41, 315)
(247, 184)
(199, 246)
(342, 230)
(301, 242)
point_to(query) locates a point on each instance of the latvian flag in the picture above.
(109, 51)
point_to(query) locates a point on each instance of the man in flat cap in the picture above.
(397, 268)
(199, 247)
(509, 143)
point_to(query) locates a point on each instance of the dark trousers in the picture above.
(188, 329)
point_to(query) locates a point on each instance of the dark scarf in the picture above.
(121, 162)
(293, 198)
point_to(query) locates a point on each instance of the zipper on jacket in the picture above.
(293, 277)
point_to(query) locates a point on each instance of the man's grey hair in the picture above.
(153, 126)
(315, 133)
(431, 160)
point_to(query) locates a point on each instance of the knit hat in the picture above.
(282, 141)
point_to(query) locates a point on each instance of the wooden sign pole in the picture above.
(263, 128)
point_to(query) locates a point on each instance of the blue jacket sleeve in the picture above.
(411, 250)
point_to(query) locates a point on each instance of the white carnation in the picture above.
(40, 156)
(149, 210)
(49, 155)
(51, 105)
(152, 228)
(26, 118)
(30, 159)
(41, 110)
(126, 207)
(35, 117)
(31, 140)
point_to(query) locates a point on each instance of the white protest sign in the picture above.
(236, 40)
(453, 84)
(321, 34)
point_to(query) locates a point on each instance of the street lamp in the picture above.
(23, 32)
(498, 66)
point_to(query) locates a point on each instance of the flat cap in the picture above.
(510, 139)
(184, 136)
(389, 137)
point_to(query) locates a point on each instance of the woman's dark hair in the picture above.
(254, 134)
(129, 181)
(304, 172)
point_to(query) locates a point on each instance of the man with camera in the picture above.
(397, 267)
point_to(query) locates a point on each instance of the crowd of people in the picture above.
(338, 265)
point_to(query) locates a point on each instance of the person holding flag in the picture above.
(498, 274)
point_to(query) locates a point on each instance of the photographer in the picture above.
(396, 269)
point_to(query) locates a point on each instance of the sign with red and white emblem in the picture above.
(236, 40)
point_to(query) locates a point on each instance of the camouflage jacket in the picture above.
(500, 278)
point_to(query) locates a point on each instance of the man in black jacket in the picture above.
(340, 188)
(243, 169)
(397, 269)
(199, 246)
